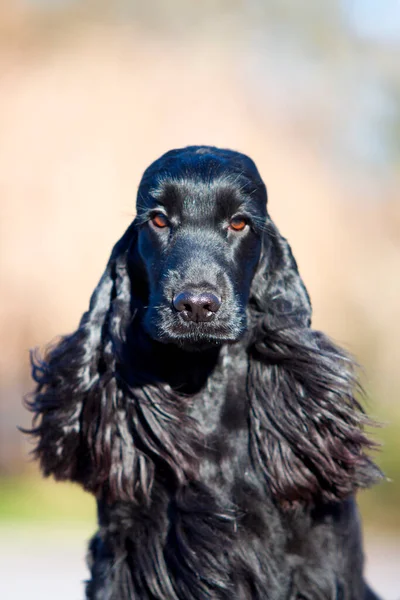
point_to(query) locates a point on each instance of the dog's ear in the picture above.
(80, 406)
(277, 291)
(307, 427)
(98, 420)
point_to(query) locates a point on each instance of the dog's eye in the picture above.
(159, 220)
(237, 223)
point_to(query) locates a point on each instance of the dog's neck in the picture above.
(185, 371)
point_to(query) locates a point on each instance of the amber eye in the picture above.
(159, 220)
(237, 223)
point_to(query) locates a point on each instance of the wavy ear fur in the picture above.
(92, 425)
(307, 428)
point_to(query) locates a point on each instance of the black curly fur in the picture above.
(224, 457)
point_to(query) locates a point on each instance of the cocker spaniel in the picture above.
(217, 430)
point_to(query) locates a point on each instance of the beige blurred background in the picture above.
(91, 93)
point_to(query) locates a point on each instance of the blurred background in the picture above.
(90, 93)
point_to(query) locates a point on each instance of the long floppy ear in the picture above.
(307, 428)
(96, 420)
(80, 420)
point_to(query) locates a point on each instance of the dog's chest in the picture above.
(221, 406)
(221, 415)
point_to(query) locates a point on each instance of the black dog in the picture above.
(217, 430)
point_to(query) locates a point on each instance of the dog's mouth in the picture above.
(200, 333)
(165, 324)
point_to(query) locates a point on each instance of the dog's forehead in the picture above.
(194, 197)
(203, 180)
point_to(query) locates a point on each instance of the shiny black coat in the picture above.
(224, 452)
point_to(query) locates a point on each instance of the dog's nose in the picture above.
(197, 307)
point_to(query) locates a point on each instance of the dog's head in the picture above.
(201, 214)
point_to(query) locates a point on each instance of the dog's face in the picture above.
(200, 219)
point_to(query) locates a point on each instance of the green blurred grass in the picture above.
(380, 506)
(33, 498)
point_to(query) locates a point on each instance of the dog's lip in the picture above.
(217, 324)
(200, 340)
(211, 331)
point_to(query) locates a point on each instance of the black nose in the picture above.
(197, 306)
